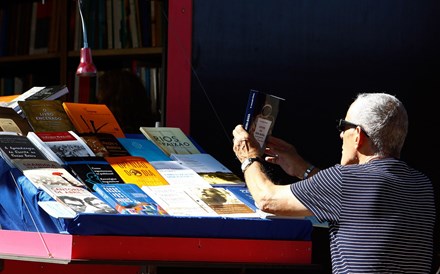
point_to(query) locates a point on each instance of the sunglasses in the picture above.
(343, 125)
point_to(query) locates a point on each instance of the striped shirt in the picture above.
(381, 216)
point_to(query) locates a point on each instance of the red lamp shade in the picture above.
(86, 66)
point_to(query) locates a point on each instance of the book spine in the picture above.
(250, 109)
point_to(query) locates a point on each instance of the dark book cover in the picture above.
(46, 115)
(18, 147)
(104, 144)
(49, 93)
(93, 170)
(261, 113)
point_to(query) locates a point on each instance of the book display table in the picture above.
(33, 242)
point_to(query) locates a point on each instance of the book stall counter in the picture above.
(31, 241)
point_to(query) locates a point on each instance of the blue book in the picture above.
(143, 147)
(128, 199)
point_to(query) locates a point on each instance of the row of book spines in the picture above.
(30, 27)
(113, 24)
(33, 27)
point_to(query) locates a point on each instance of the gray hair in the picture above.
(384, 119)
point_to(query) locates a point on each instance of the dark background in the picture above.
(317, 54)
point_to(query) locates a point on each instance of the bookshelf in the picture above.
(21, 67)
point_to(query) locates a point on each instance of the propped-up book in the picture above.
(12, 121)
(58, 146)
(136, 170)
(223, 202)
(179, 175)
(209, 168)
(78, 200)
(104, 144)
(145, 148)
(93, 118)
(46, 116)
(93, 170)
(177, 202)
(128, 199)
(14, 146)
(58, 176)
(171, 140)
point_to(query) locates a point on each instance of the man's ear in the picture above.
(361, 138)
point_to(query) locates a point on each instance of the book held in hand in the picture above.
(128, 199)
(261, 112)
(170, 140)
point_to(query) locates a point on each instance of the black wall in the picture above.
(318, 55)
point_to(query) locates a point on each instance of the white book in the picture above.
(59, 145)
(178, 174)
(52, 176)
(209, 168)
(177, 202)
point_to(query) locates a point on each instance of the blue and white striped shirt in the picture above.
(381, 216)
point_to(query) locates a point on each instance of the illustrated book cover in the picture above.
(260, 115)
(44, 116)
(93, 118)
(57, 146)
(128, 199)
(93, 170)
(136, 170)
(58, 176)
(143, 148)
(14, 146)
(223, 202)
(38, 93)
(177, 202)
(171, 140)
(10, 120)
(78, 200)
(209, 168)
(104, 144)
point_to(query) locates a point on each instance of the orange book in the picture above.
(93, 118)
(136, 170)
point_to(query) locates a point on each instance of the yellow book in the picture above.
(136, 170)
(93, 118)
